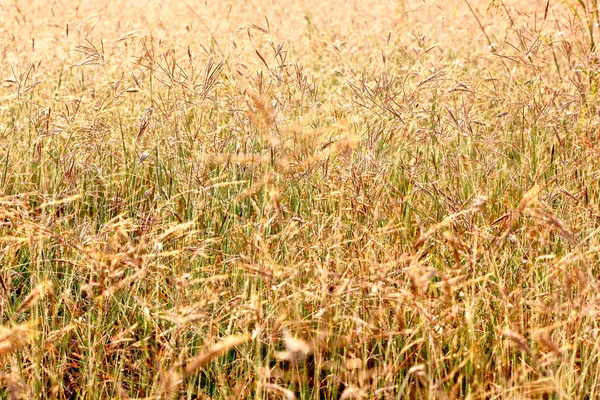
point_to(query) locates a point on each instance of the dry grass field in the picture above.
(299, 199)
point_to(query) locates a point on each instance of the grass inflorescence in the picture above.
(333, 200)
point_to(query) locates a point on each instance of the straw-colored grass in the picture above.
(299, 199)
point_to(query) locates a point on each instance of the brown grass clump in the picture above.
(332, 200)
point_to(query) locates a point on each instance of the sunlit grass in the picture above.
(299, 200)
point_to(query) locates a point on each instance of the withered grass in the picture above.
(299, 199)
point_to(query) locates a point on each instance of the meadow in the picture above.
(299, 199)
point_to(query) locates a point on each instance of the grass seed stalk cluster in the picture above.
(299, 199)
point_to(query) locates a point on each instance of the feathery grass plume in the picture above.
(172, 379)
(296, 350)
(16, 337)
(212, 352)
(14, 384)
(40, 291)
(527, 198)
(517, 340)
(353, 393)
(286, 393)
(265, 111)
(544, 339)
(547, 216)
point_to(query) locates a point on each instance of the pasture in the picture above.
(299, 199)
